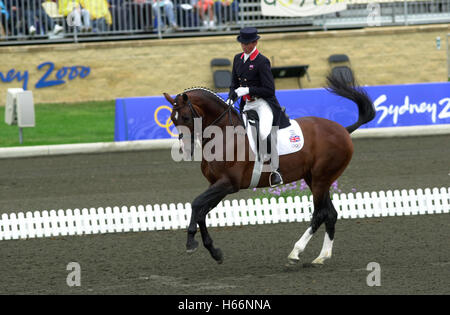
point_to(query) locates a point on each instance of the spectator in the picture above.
(169, 12)
(141, 17)
(226, 10)
(77, 15)
(99, 13)
(119, 16)
(13, 26)
(4, 16)
(205, 7)
(185, 13)
(33, 9)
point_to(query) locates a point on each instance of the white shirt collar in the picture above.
(246, 56)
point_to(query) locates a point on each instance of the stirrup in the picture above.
(270, 179)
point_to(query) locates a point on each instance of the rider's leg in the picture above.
(265, 117)
(266, 120)
(275, 176)
(269, 139)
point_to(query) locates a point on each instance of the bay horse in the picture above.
(327, 151)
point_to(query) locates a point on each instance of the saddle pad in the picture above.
(290, 139)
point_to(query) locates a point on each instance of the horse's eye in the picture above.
(185, 119)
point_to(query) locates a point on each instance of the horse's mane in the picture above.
(209, 92)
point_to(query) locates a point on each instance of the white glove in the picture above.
(242, 91)
(229, 102)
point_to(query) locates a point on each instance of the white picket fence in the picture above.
(234, 213)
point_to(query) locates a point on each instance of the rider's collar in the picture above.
(252, 55)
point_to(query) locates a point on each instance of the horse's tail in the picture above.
(339, 86)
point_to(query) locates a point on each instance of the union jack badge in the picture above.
(294, 138)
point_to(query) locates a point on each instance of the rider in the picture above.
(252, 80)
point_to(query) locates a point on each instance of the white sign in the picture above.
(301, 8)
(11, 106)
(25, 109)
(19, 108)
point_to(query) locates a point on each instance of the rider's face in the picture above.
(247, 48)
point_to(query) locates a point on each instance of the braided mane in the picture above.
(210, 92)
(216, 96)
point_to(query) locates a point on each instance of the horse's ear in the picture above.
(185, 97)
(169, 98)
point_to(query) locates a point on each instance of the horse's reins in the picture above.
(196, 115)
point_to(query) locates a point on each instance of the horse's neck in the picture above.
(229, 117)
(213, 109)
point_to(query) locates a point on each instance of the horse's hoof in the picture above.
(191, 248)
(218, 256)
(291, 265)
(318, 261)
(292, 262)
(191, 251)
(309, 265)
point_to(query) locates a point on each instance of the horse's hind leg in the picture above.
(299, 246)
(320, 193)
(330, 222)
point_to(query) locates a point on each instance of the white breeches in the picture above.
(265, 116)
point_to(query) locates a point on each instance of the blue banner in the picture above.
(397, 105)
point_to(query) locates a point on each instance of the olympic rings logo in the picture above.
(168, 122)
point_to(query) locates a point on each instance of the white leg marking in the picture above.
(299, 247)
(326, 251)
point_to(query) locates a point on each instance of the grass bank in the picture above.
(63, 124)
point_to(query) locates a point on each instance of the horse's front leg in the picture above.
(192, 244)
(200, 208)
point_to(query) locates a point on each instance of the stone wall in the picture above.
(383, 55)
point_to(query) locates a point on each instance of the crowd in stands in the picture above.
(29, 14)
(54, 17)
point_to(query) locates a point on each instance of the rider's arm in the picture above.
(234, 82)
(267, 87)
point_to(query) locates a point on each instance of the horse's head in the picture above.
(202, 108)
(183, 115)
(183, 112)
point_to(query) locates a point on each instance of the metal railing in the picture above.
(38, 21)
(448, 56)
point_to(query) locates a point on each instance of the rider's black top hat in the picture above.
(248, 35)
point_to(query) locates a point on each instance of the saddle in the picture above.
(288, 140)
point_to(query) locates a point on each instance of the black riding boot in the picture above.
(275, 178)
